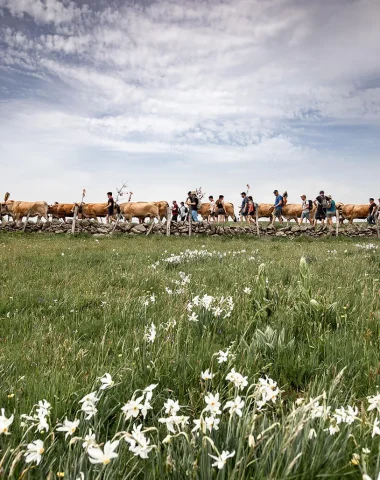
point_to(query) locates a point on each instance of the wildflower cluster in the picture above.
(188, 256)
(219, 307)
(181, 284)
(367, 246)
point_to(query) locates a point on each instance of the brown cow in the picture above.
(162, 209)
(140, 210)
(293, 211)
(204, 211)
(92, 210)
(352, 212)
(18, 210)
(61, 210)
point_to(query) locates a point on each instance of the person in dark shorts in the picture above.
(175, 211)
(244, 207)
(251, 210)
(371, 212)
(110, 207)
(277, 207)
(221, 209)
(321, 203)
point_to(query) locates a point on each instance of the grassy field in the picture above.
(286, 334)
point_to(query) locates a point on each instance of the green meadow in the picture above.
(261, 358)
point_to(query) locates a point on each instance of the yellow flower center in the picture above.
(41, 451)
(106, 461)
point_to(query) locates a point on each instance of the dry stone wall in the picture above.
(182, 229)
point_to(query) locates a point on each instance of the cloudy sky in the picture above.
(175, 94)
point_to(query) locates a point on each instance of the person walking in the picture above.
(110, 207)
(371, 220)
(194, 206)
(321, 203)
(221, 209)
(330, 210)
(251, 210)
(212, 215)
(175, 211)
(277, 207)
(183, 211)
(307, 206)
(244, 207)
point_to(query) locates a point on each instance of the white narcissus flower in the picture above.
(42, 424)
(374, 402)
(312, 434)
(90, 397)
(213, 404)
(89, 409)
(237, 379)
(43, 408)
(5, 422)
(68, 427)
(212, 423)
(235, 406)
(139, 445)
(207, 375)
(193, 317)
(247, 290)
(106, 381)
(89, 440)
(171, 407)
(148, 391)
(376, 428)
(133, 407)
(221, 461)
(174, 420)
(151, 333)
(97, 455)
(34, 451)
(223, 356)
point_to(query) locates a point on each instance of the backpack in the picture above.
(310, 205)
(324, 202)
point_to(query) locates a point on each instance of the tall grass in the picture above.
(305, 314)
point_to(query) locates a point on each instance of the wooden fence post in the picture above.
(151, 227)
(168, 221)
(74, 219)
(190, 222)
(337, 216)
(117, 221)
(26, 222)
(377, 225)
(257, 220)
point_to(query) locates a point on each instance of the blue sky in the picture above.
(173, 95)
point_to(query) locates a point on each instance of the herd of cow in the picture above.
(17, 210)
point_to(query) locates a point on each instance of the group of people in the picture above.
(190, 208)
(325, 208)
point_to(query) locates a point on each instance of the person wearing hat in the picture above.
(321, 203)
(330, 210)
(244, 207)
(277, 207)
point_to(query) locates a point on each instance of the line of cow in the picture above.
(158, 210)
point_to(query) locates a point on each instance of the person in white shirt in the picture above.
(305, 210)
(212, 217)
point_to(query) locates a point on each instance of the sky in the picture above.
(174, 95)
